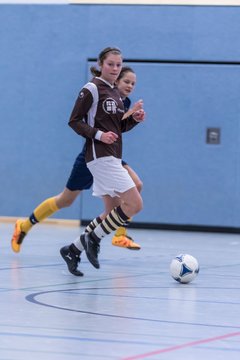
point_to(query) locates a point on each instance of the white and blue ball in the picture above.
(184, 268)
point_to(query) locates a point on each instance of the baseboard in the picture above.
(61, 222)
(137, 225)
(178, 227)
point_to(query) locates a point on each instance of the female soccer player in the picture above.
(98, 116)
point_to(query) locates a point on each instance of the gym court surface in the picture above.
(131, 308)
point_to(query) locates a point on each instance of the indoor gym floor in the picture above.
(129, 309)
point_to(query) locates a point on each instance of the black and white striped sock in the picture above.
(93, 224)
(112, 222)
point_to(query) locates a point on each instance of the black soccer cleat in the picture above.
(92, 249)
(72, 260)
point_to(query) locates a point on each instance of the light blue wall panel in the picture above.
(43, 63)
(186, 179)
(168, 32)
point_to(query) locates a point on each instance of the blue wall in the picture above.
(44, 52)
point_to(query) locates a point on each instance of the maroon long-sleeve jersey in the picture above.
(100, 107)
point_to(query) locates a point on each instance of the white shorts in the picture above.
(109, 176)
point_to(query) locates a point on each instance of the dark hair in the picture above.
(125, 69)
(102, 56)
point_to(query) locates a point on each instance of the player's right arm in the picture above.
(79, 113)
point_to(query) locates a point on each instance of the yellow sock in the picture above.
(121, 231)
(26, 225)
(43, 211)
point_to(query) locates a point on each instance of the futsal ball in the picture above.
(184, 268)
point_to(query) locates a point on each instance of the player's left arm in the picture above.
(137, 106)
(131, 121)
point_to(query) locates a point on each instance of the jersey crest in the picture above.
(110, 106)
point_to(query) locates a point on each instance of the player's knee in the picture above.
(139, 185)
(68, 202)
(138, 205)
(63, 202)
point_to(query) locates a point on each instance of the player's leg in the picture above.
(118, 185)
(75, 249)
(121, 237)
(79, 179)
(72, 253)
(137, 181)
(130, 205)
(44, 210)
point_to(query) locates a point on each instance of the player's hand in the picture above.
(137, 106)
(139, 115)
(109, 137)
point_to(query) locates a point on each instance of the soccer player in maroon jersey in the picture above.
(98, 115)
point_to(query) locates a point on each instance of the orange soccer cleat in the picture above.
(18, 237)
(121, 239)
